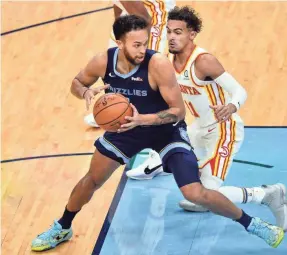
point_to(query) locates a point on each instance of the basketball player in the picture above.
(155, 13)
(158, 113)
(217, 131)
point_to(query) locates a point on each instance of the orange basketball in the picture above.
(110, 111)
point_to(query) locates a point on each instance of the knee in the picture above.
(211, 182)
(195, 193)
(93, 178)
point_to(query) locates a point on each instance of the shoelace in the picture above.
(49, 232)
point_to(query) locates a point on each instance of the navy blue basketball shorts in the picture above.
(171, 142)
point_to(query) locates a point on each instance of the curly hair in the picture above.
(188, 15)
(127, 23)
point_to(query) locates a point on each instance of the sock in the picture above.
(67, 218)
(234, 194)
(243, 195)
(245, 220)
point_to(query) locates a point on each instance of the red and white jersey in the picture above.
(198, 95)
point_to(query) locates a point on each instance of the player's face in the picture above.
(134, 46)
(178, 36)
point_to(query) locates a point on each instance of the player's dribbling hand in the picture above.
(134, 121)
(90, 93)
(223, 112)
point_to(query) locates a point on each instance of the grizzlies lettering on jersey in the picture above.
(134, 85)
(129, 92)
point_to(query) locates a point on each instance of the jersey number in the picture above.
(191, 109)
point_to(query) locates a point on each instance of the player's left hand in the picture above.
(223, 112)
(134, 121)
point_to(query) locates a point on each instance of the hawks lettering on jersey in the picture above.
(188, 90)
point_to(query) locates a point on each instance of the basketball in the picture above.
(110, 111)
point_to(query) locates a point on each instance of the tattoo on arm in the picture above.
(165, 117)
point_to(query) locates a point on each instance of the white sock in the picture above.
(243, 195)
(234, 194)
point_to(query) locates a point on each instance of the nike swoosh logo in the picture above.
(59, 237)
(110, 74)
(209, 130)
(148, 170)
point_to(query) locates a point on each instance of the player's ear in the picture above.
(192, 35)
(120, 44)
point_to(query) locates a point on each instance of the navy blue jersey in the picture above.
(134, 85)
(170, 141)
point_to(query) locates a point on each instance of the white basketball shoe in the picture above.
(150, 168)
(275, 199)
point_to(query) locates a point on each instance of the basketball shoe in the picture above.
(51, 238)
(151, 167)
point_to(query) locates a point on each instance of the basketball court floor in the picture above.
(46, 146)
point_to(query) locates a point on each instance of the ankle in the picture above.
(66, 220)
(244, 220)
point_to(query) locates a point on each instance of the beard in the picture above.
(130, 58)
(133, 61)
(174, 51)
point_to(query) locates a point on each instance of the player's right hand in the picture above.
(223, 112)
(134, 120)
(90, 93)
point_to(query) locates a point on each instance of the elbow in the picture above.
(72, 88)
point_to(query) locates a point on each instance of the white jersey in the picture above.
(199, 95)
(158, 10)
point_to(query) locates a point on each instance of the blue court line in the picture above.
(55, 20)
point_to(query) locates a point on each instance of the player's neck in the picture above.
(124, 66)
(183, 56)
